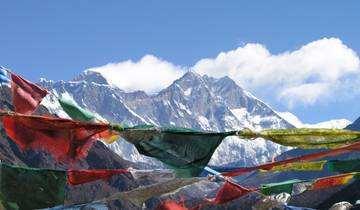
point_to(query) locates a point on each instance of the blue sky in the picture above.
(60, 39)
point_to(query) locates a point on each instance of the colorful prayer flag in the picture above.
(29, 188)
(83, 115)
(76, 112)
(300, 166)
(318, 155)
(76, 177)
(344, 166)
(280, 187)
(332, 181)
(26, 96)
(141, 194)
(310, 138)
(65, 139)
(228, 192)
(185, 151)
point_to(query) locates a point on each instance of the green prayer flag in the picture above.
(280, 187)
(28, 188)
(185, 151)
(76, 112)
(344, 166)
(309, 138)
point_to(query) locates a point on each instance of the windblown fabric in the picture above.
(269, 166)
(344, 166)
(228, 192)
(281, 187)
(28, 188)
(141, 194)
(65, 139)
(26, 96)
(333, 181)
(109, 137)
(300, 166)
(79, 114)
(311, 184)
(76, 112)
(76, 177)
(310, 138)
(185, 151)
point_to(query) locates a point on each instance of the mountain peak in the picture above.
(92, 76)
(295, 121)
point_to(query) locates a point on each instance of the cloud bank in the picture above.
(150, 74)
(317, 71)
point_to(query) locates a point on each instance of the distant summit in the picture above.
(292, 119)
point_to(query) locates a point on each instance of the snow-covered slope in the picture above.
(193, 101)
(292, 119)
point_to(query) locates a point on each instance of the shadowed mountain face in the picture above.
(355, 126)
(193, 101)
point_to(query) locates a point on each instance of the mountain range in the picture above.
(193, 101)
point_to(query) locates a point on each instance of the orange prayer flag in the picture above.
(332, 181)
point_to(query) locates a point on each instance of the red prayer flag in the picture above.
(332, 181)
(76, 177)
(269, 166)
(171, 205)
(26, 96)
(228, 192)
(66, 139)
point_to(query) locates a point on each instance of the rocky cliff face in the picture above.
(193, 101)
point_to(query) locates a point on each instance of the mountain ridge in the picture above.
(194, 101)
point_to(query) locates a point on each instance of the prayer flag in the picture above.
(26, 96)
(280, 187)
(29, 188)
(228, 192)
(76, 177)
(333, 181)
(76, 112)
(185, 151)
(344, 166)
(83, 115)
(268, 166)
(300, 166)
(65, 139)
(141, 194)
(310, 138)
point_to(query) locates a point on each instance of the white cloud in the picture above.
(150, 74)
(303, 76)
(318, 70)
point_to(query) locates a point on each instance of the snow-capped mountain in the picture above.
(292, 119)
(193, 101)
